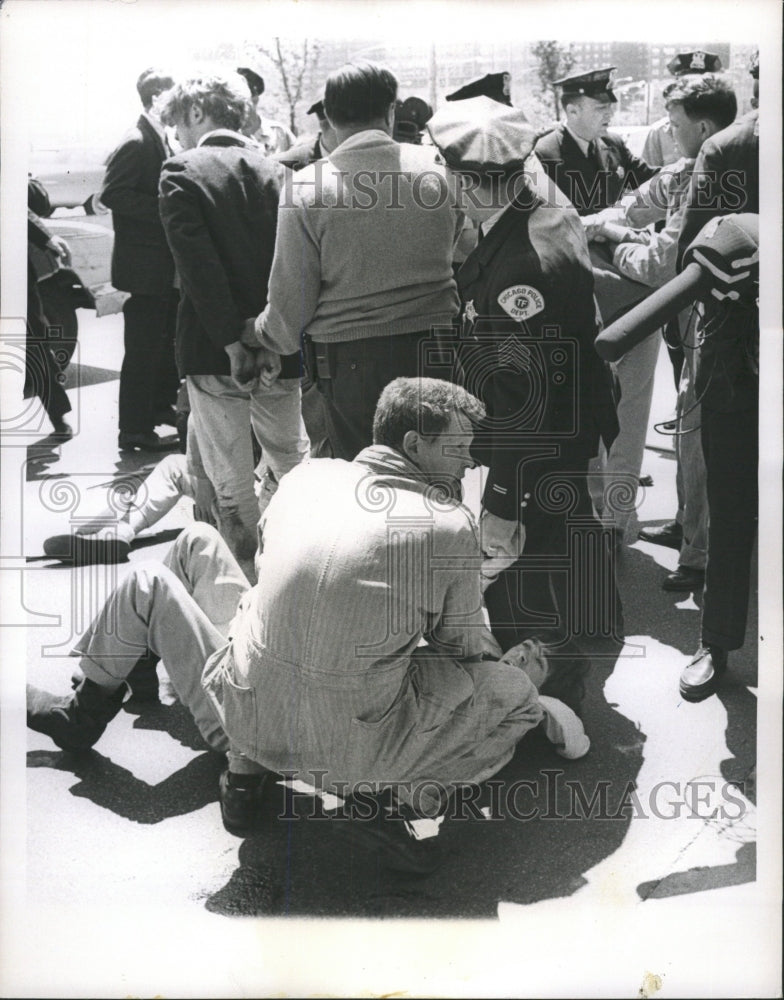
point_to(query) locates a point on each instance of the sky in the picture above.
(88, 53)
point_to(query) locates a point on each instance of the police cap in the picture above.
(493, 85)
(481, 136)
(698, 61)
(597, 84)
(255, 81)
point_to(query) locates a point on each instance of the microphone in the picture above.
(722, 262)
(652, 313)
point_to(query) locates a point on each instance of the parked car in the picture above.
(72, 175)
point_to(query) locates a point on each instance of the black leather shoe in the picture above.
(148, 441)
(669, 534)
(684, 578)
(240, 799)
(77, 722)
(87, 550)
(142, 680)
(701, 677)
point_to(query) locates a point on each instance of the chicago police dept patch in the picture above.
(521, 301)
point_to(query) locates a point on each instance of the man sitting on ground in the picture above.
(361, 655)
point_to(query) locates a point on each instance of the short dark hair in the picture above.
(151, 83)
(425, 405)
(223, 99)
(705, 95)
(359, 92)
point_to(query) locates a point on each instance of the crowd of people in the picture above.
(356, 320)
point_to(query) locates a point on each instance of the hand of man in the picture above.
(61, 248)
(244, 365)
(267, 366)
(248, 336)
(613, 233)
(502, 544)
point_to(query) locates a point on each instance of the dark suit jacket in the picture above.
(141, 261)
(725, 178)
(219, 205)
(589, 186)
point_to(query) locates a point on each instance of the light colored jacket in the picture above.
(653, 263)
(364, 246)
(327, 671)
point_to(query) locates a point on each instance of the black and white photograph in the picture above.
(391, 466)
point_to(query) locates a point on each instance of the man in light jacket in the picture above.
(363, 257)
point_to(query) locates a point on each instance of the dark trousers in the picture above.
(360, 369)
(148, 379)
(563, 586)
(730, 443)
(43, 375)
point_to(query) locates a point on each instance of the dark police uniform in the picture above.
(595, 180)
(529, 323)
(725, 181)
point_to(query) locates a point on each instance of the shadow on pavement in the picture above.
(699, 879)
(113, 787)
(538, 845)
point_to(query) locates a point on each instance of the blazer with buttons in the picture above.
(141, 261)
(591, 183)
(527, 350)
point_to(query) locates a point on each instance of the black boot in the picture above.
(142, 680)
(77, 722)
(240, 800)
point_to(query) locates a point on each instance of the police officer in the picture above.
(529, 324)
(725, 181)
(496, 86)
(310, 150)
(660, 148)
(590, 165)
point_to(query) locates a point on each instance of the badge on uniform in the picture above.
(470, 311)
(521, 302)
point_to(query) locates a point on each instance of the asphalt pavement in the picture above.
(637, 860)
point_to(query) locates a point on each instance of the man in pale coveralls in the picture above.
(362, 652)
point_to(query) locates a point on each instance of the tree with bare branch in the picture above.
(295, 63)
(554, 62)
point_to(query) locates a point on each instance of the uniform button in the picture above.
(524, 504)
(527, 496)
(353, 366)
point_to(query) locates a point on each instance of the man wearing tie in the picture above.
(142, 265)
(591, 166)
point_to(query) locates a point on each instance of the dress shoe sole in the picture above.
(163, 445)
(85, 550)
(699, 692)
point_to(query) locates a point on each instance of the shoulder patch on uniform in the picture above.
(521, 301)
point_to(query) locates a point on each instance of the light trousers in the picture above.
(180, 610)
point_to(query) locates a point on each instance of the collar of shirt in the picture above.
(160, 130)
(582, 143)
(367, 137)
(243, 139)
(487, 225)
